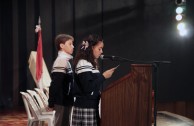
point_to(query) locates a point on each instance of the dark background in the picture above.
(140, 30)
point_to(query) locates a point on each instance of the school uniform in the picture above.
(89, 81)
(60, 96)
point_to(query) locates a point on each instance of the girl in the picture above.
(89, 82)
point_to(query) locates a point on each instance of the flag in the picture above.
(39, 55)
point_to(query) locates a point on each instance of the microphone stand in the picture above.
(121, 59)
(155, 65)
(155, 87)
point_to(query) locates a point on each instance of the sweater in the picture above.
(89, 81)
(61, 81)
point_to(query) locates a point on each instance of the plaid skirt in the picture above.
(85, 117)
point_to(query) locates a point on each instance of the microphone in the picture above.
(103, 57)
(114, 58)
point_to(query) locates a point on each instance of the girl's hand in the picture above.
(108, 73)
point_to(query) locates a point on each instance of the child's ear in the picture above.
(62, 45)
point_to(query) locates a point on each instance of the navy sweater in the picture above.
(89, 81)
(62, 80)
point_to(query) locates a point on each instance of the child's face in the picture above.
(97, 49)
(68, 46)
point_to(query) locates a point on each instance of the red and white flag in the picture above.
(39, 55)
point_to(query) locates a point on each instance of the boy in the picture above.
(60, 98)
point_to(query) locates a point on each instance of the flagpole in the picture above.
(39, 21)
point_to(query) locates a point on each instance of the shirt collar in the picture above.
(65, 55)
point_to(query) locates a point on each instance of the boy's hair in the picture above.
(62, 38)
(87, 53)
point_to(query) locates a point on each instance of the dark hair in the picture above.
(87, 52)
(62, 38)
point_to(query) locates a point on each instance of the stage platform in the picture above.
(18, 117)
(165, 118)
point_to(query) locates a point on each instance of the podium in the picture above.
(128, 101)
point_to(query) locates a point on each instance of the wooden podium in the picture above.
(128, 101)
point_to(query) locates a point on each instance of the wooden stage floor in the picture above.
(18, 117)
